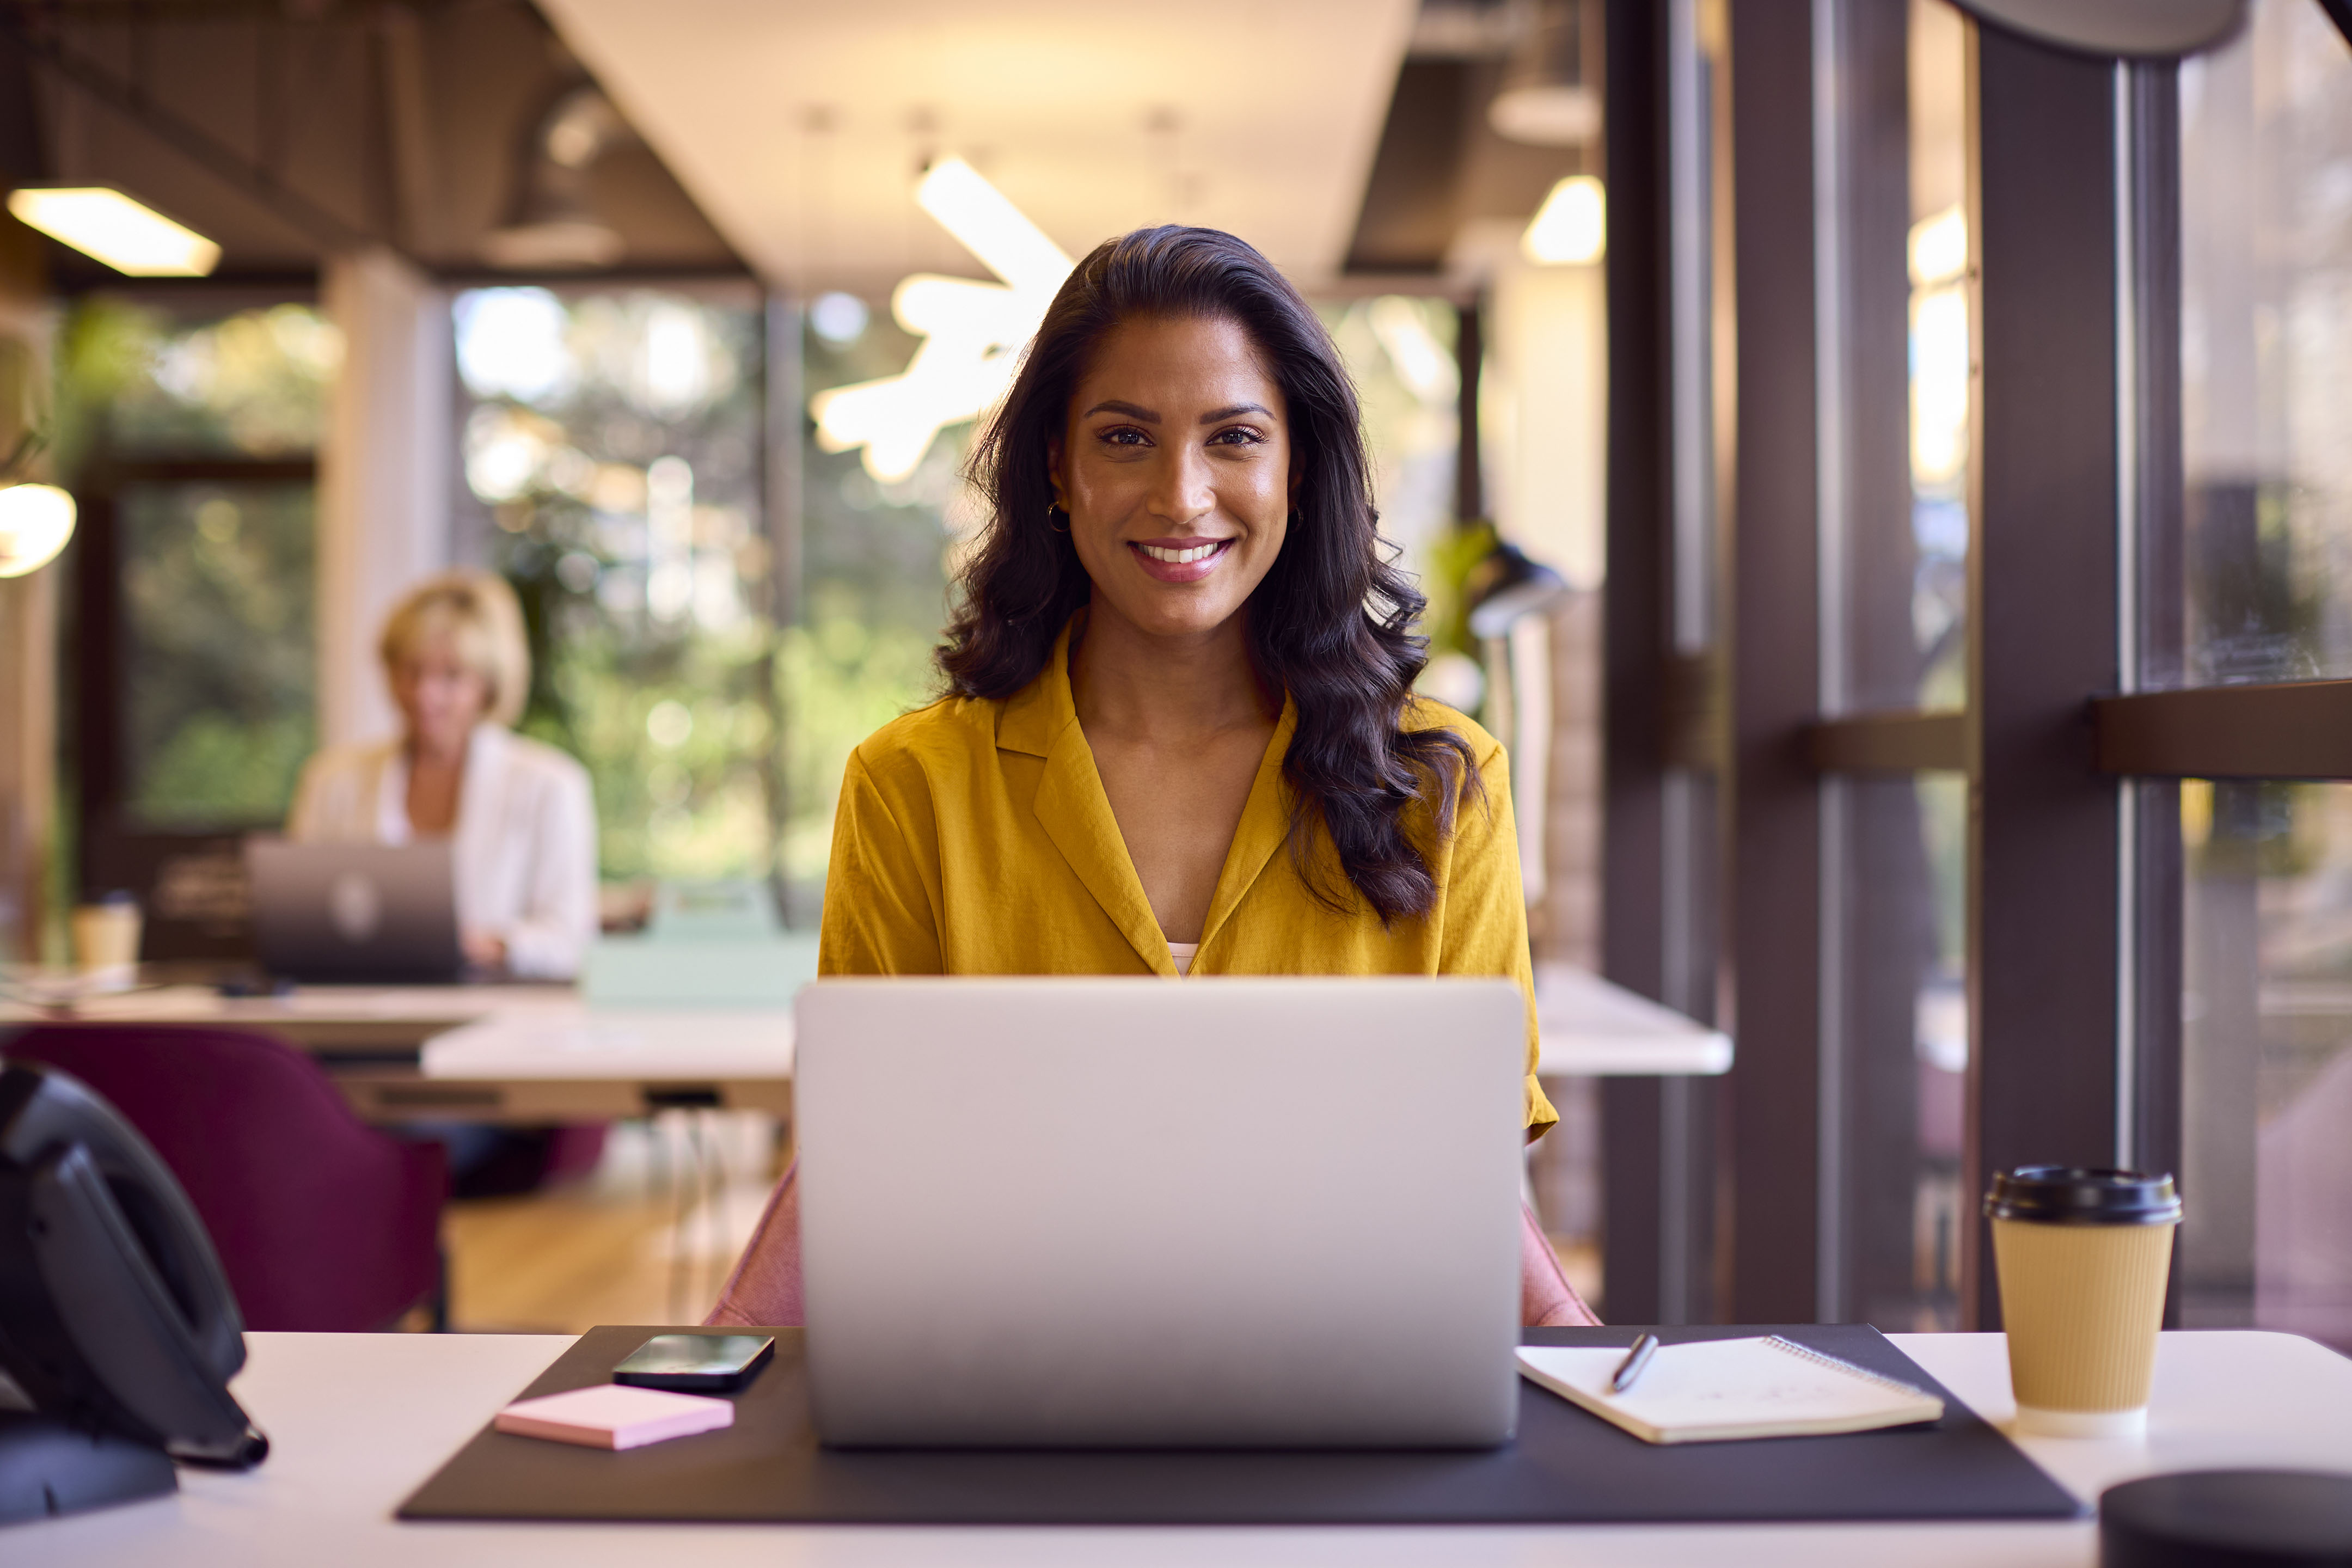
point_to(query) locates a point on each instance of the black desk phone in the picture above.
(118, 1330)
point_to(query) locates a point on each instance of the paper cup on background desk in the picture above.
(2082, 1257)
(106, 940)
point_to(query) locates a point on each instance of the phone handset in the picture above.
(135, 1329)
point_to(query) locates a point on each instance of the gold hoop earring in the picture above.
(1050, 510)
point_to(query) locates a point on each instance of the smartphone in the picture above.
(695, 1363)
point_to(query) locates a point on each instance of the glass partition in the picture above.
(2266, 351)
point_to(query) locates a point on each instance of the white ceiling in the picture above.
(799, 126)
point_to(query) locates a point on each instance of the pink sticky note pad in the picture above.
(614, 1415)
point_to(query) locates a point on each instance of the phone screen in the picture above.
(693, 1361)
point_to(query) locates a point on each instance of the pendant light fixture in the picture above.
(551, 225)
(972, 332)
(2134, 29)
(1549, 97)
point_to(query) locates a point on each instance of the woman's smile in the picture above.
(1173, 471)
(1179, 560)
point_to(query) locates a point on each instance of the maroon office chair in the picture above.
(322, 1222)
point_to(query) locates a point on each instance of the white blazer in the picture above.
(526, 837)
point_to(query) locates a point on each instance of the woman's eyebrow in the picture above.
(1131, 410)
(1214, 415)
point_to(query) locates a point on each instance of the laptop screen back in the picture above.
(1126, 1212)
(355, 911)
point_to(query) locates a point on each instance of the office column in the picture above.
(1636, 642)
(383, 476)
(1773, 584)
(2042, 1062)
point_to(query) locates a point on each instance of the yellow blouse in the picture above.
(975, 837)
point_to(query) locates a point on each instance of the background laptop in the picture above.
(355, 911)
(1117, 1212)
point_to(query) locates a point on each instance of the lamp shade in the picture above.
(35, 520)
(1507, 585)
(2137, 30)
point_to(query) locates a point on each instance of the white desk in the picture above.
(1591, 1028)
(357, 1421)
(538, 1053)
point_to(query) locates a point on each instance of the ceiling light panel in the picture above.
(128, 236)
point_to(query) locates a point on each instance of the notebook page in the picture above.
(1728, 1387)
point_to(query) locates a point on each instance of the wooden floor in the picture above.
(650, 1237)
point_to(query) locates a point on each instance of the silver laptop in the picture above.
(354, 912)
(1246, 1212)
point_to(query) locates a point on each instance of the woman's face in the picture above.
(1175, 469)
(439, 696)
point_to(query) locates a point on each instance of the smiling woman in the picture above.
(1179, 737)
(1180, 393)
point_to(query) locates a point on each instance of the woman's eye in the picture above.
(1123, 436)
(1238, 436)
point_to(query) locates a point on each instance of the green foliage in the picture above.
(1451, 558)
(875, 566)
(217, 586)
(668, 705)
(842, 676)
(213, 769)
(137, 380)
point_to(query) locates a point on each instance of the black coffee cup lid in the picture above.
(2274, 1519)
(2069, 1194)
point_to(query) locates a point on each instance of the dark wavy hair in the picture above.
(1331, 622)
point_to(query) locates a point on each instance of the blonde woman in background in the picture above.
(520, 813)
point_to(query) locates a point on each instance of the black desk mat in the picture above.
(1566, 1467)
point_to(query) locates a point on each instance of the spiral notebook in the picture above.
(1711, 1391)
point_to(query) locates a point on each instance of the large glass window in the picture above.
(141, 382)
(1894, 389)
(611, 444)
(2266, 370)
(217, 648)
(1894, 401)
(189, 440)
(2267, 1041)
(2266, 351)
(1941, 356)
(876, 558)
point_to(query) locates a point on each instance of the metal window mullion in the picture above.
(1834, 640)
(2128, 613)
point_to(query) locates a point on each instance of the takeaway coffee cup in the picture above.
(2082, 1257)
(106, 940)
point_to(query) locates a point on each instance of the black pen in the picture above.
(1635, 1360)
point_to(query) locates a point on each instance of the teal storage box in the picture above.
(709, 944)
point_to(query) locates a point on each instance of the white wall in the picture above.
(1543, 405)
(383, 476)
(1544, 430)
